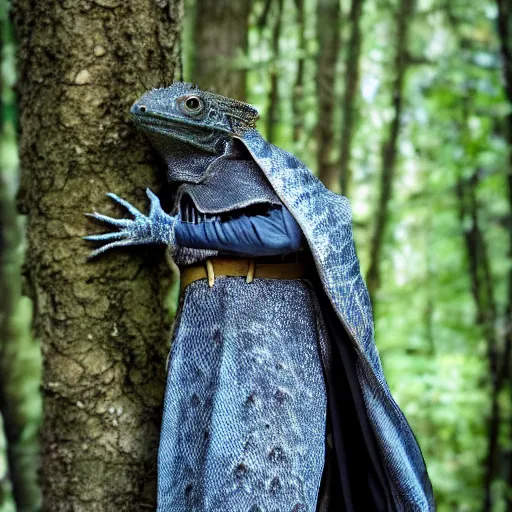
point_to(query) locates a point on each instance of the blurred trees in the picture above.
(219, 44)
(405, 10)
(19, 355)
(328, 35)
(504, 378)
(273, 105)
(298, 86)
(351, 94)
(406, 107)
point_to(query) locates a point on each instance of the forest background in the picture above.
(405, 106)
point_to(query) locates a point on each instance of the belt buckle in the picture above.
(250, 271)
(210, 273)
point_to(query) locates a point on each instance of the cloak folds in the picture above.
(326, 221)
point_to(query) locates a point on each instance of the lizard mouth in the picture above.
(157, 121)
(157, 125)
(164, 127)
(154, 120)
(177, 129)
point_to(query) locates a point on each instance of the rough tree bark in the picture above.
(389, 149)
(221, 29)
(102, 324)
(328, 34)
(350, 95)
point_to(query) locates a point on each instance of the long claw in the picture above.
(116, 235)
(120, 223)
(151, 195)
(102, 249)
(126, 204)
(155, 202)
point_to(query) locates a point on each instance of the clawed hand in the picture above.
(156, 228)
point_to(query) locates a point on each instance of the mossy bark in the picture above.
(102, 324)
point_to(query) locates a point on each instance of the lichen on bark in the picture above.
(102, 325)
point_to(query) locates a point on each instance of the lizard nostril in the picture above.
(143, 109)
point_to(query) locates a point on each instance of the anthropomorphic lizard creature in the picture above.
(276, 400)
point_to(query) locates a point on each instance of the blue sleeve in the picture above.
(273, 233)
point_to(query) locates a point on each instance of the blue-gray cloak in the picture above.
(326, 221)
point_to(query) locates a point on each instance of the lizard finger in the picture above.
(155, 208)
(101, 250)
(116, 235)
(125, 204)
(155, 202)
(120, 223)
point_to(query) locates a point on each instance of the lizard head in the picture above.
(193, 117)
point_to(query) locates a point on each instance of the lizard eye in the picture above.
(193, 105)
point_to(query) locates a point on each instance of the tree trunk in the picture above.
(350, 94)
(221, 31)
(298, 87)
(389, 148)
(328, 35)
(483, 296)
(505, 34)
(273, 117)
(4, 492)
(102, 324)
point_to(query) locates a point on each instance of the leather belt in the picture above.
(248, 268)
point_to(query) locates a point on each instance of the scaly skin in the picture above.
(155, 228)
